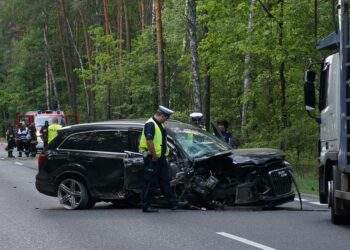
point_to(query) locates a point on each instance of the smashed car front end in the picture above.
(211, 174)
(266, 177)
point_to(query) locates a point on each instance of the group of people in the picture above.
(153, 144)
(26, 140)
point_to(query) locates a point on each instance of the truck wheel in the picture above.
(332, 203)
(321, 186)
(72, 194)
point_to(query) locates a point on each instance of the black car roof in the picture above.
(127, 123)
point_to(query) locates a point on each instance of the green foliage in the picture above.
(276, 39)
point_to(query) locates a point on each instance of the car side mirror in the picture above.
(309, 90)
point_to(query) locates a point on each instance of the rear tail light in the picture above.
(41, 159)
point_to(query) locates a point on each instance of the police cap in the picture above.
(196, 116)
(165, 110)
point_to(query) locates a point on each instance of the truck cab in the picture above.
(334, 117)
(329, 109)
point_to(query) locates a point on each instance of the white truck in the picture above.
(334, 118)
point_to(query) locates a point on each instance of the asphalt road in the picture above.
(30, 220)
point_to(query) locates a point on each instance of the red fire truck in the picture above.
(39, 117)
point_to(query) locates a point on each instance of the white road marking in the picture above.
(317, 203)
(248, 242)
(18, 163)
(303, 200)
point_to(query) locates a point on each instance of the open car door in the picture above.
(133, 171)
(234, 142)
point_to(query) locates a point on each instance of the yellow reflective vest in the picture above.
(157, 140)
(52, 131)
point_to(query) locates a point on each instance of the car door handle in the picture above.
(50, 157)
(133, 161)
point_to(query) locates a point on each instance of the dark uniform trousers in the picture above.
(156, 172)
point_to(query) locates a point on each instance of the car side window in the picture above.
(109, 141)
(135, 137)
(76, 142)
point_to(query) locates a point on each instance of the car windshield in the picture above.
(196, 142)
(40, 121)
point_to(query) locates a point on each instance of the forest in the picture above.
(241, 60)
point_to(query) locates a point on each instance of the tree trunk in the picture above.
(81, 68)
(47, 87)
(246, 85)
(66, 56)
(90, 98)
(49, 71)
(143, 10)
(47, 80)
(128, 50)
(108, 89)
(207, 87)
(284, 115)
(194, 55)
(206, 108)
(120, 29)
(154, 12)
(106, 17)
(52, 78)
(173, 77)
(127, 30)
(160, 52)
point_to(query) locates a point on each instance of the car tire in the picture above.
(72, 194)
(90, 203)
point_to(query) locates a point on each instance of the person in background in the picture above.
(196, 120)
(52, 129)
(22, 142)
(153, 144)
(223, 125)
(33, 140)
(227, 136)
(11, 140)
(44, 131)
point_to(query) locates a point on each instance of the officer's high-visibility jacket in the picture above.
(53, 128)
(157, 140)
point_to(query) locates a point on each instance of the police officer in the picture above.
(22, 143)
(44, 131)
(196, 119)
(53, 128)
(153, 144)
(11, 140)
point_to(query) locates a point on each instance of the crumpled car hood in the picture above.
(256, 156)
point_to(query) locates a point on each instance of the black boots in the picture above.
(10, 155)
(149, 210)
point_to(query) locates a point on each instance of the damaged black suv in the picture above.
(88, 163)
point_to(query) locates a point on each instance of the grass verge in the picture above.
(307, 182)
